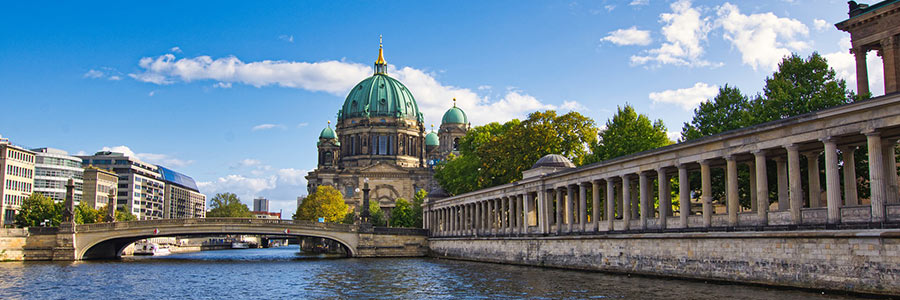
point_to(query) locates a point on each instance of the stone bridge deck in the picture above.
(107, 240)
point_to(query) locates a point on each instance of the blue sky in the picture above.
(234, 94)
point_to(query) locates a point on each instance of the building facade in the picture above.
(97, 185)
(52, 169)
(17, 179)
(140, 188)
(260, 204)
(379, 139)
(182, 196)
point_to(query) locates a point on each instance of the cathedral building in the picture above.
(379, 138)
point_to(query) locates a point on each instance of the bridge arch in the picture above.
(107, 240)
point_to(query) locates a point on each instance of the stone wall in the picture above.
(12, 244)
(865, 261)
(392, 245)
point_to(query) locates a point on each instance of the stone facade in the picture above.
(866, 261)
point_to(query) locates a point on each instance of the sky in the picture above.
(234, 94)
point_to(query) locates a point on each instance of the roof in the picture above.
(171, 176)
(327, 133)
(380, 95)
(553, 160)
(431, 139)
(454, 115)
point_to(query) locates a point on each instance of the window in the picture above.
(382, 145)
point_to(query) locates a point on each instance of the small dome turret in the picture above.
(328, 133)
(431, 139)
(554, 161)
(454, 115)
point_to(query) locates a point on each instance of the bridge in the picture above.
(107, 240)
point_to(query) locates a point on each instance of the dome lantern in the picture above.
(380, 64)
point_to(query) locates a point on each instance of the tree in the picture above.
(729, 110)
(376, 215)
(628, 132)
(326, 202)
(37, 208)
(85, 214)
(124, 216)
(798, 87)
(417, 212)
(401, 215)
(227, 205)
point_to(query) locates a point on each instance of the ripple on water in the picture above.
(280, 273)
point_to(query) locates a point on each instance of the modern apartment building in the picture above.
(140, 187)
(97, 184)
(16, 179)
(52, 170)
(182, 197)
(260, 204)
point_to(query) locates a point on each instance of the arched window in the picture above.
(329, 157)
(455, 144)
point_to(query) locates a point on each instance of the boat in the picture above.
(147, 248)
(239, 245)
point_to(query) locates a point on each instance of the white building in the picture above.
(16, 179)
(141, 189)
(52, 169)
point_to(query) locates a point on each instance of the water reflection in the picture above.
(282, 273)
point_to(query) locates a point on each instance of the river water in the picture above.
(282, 273)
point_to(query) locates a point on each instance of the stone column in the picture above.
(645, 198)
(684, 194)
(541, 209)
(595, 197)
(486, 222)
(706, 193)
(582, 206)
(762, 188)
(514, 206)
(477, 218)
(891, 59)
(892, 191)
(832, 181)
(851, 196)
(795, 192)
(626, 198)
(504, 214)
(731, 187)
(635, 201)
(876, 175)
(560, 203)
(815, 188)
(862, 74)
(570, 208)
(781, 175)
(526, 207)
(611, 203)
(751, 167)
(453, 220)
(665, 204)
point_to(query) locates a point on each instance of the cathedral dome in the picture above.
(431, 139)
(380, 96)
(454, 115)
(327, 133)
(553, 160)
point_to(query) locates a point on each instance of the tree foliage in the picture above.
(85, 214)
(227, 205)
(401, 214)
(496, 154)
(798, 87)
(37, 208)
(376, 215)
(326, 202)
(628, 132)
(729, 110)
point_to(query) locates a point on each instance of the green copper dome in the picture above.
(380, 96)
(454, 116)
(431, 139)
(327, 133)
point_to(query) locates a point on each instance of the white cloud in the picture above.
(151, 93)
(687, 98)
(763, 39)
(844, 65)
(245, 187)
(572, 106)
(248, 162)
(292, 176)
(304, 124)
(673, 135)
(338, 77)
(286, 38)
(266, 127)
(175, 49)
(108, 73)
(334, 77)
(93, 74)
(114, 77)
(820, 24)
(153, 158)
(630, 36)
(281, 187)
(685, 31)
(639, 2)
(222, 85)
(609, 7)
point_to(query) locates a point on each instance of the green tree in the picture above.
(729, 110)
(401, 214)
(798, 87)
(124, 216)
(227, 205)
(628, 132)
(85, 214)
(326, 202)
(376, 215)
(417, 212)
(37, 208)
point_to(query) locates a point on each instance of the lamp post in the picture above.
(364, 215)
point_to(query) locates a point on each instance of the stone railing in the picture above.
(215, 221)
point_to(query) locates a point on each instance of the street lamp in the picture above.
(365, 209)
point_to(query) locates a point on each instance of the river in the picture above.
(282, 273)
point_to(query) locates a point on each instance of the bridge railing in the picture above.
(213, 221)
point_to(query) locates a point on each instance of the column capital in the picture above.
(759, 152)
(729, 157)
(779, 159)
(828, 139)
(625, 176)
(848, 148)
(682, 165)
(890, 42)
(705, 162)
(792, 147)
(871, 132)
(814, 153)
